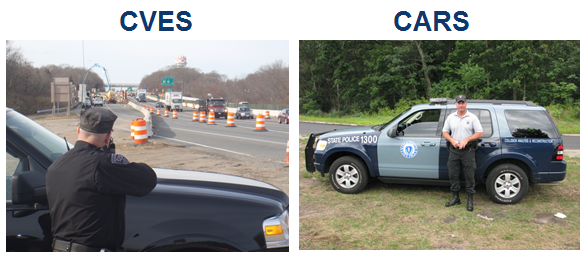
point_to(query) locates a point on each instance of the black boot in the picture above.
(470, 203)
(455, 199)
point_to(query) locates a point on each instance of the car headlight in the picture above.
(276, 230)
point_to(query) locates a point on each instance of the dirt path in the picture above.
(158, 153)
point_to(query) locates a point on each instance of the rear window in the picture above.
(530, 124)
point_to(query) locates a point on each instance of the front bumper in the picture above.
(309, 152)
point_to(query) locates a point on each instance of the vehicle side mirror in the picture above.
(28, 188)
(392, 132)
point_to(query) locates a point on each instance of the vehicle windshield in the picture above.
(382, 126)
(176, 100)
(244, 109)
(217, 103)
(45, 141)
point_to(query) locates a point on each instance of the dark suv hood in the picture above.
(179, 181)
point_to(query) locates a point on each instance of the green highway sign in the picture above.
(167, 81)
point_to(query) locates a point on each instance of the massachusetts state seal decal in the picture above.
(409, 149)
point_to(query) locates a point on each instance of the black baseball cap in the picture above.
(461, 97)
(97, 120)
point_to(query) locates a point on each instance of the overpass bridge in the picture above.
(124, 86)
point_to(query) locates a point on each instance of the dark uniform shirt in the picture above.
(87, 188)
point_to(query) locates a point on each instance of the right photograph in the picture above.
(439, 145)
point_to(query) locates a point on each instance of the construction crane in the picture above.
(105, 74)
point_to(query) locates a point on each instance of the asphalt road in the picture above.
(571, 142)
(241, 140)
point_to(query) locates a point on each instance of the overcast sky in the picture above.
(128, 61)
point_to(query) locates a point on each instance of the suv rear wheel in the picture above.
(507, 184)
(348, 175)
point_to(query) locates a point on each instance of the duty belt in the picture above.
(62, 245)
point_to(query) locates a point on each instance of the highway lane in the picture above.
(241, 140)
(571, 142)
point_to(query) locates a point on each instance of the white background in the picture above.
(293, 21)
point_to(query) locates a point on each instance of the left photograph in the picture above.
(167, 145)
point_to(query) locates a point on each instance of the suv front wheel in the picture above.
(507, 184)
(348, 175)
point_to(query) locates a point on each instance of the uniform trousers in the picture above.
(461, 160)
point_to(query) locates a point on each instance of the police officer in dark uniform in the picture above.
(461, 130)
(87, 188)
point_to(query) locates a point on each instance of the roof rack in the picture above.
(501, 102)
(445, 101)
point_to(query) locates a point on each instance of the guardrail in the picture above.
(254, 107)
(57, 109)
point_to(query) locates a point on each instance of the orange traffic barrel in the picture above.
(196, 117)
(287, 152)
(132, 129)
(193, 106)
(230, 120)
(166, 113)
(151, 109)
(260, 123)
(267, 116)
(202, 116)
(174, 114)
(158, 111)
(141, 135)
(211, 118)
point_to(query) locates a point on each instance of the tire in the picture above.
(507, 184)
(348, 175)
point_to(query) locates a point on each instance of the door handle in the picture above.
(489, 144)
(427, 144)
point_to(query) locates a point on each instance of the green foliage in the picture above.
(368, 76)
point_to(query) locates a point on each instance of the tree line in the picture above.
(368, 76)
(268, 85)
(28, 88)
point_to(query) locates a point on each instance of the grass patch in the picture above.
(394, 216)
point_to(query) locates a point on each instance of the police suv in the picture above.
(520, 145)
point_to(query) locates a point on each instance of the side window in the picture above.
(484, 118)
(14, 165)
(530, 124)
(420, 124)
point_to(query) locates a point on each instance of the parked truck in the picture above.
(218, 106)
(173, 101)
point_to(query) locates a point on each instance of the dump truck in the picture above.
(111, 96)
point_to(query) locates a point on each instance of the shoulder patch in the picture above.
(118, 159)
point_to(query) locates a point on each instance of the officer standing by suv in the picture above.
(462, 129)
(87, 188)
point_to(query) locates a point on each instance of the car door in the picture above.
(414, 152)
(489, 143)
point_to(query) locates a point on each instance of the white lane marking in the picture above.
(252, 128)
(230, 136)
(202, 145)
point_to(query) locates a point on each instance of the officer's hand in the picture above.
(462, 145)
(455, 144)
